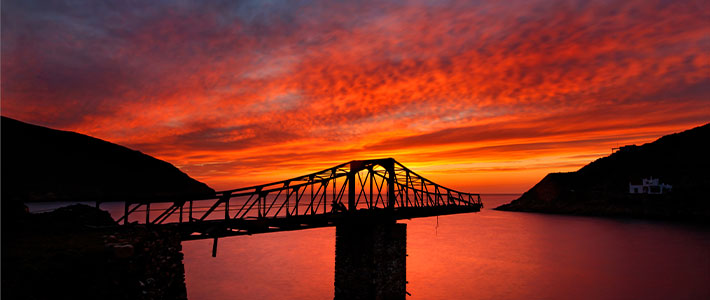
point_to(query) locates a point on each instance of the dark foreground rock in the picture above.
(602, 187)
(78, 252)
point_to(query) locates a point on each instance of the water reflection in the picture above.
(485, 255)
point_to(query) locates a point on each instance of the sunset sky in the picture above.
(482, 96)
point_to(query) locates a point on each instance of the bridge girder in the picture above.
(393, 189)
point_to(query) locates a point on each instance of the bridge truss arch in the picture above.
(359, 188)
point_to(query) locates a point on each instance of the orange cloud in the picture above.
(239, 93)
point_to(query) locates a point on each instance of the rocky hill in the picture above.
(680, 160)
(43, 164)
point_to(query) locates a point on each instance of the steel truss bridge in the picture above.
(356, 190)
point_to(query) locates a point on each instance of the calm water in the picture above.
(485, 255)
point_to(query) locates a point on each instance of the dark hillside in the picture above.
(602, 187)
(43, 164)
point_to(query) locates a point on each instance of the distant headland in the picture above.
(666, 179)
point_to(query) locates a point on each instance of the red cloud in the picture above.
(228, 91)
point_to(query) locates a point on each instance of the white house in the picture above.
(649, 186)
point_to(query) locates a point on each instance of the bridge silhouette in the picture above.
(363, 199)
(358, 190)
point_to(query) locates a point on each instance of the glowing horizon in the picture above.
(477, 96)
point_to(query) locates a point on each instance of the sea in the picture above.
(483, 255)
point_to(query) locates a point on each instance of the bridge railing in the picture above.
(356, 185)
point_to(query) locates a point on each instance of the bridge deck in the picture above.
(234, 227)
(357, 190)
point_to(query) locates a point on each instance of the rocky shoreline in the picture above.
(79, 252)
(549, 197)
(604, 187)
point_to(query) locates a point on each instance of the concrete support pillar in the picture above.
(370, 261)
(391, 198)
(351, 190)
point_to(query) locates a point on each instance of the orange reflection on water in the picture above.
(485, 255)
(289, 265)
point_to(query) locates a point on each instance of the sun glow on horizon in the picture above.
(482, 97)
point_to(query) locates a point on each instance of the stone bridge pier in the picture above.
(370, 260)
